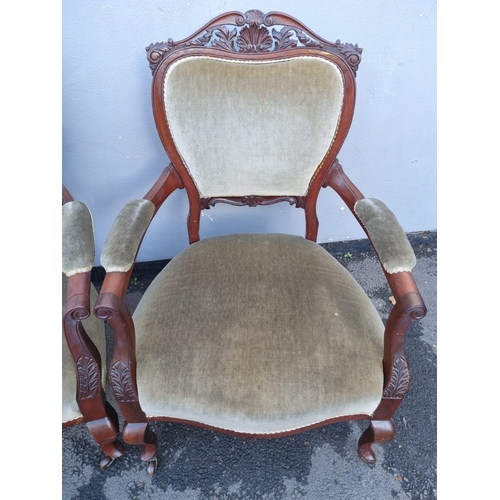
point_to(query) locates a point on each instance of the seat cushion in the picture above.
(95, 330)
(257, 333)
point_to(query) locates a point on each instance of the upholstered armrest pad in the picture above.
(78, 245)
(386, 234)
(123, 240)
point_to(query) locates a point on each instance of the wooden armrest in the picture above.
(78, 244)
(400, 282)
(78, 255)
(124, 239)
(126, 234)
(386, 234)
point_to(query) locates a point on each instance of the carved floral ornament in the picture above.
(253, 201)
(251, 35)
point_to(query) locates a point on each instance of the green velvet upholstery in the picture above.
(253, 127)
(78, 246)
(257, 333)
(95, 330)
(125, 236)
(386, 234)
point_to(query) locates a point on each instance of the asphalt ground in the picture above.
(194, 463)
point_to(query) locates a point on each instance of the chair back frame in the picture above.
(251, 40)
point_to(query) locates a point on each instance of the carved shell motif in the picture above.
(254, 39)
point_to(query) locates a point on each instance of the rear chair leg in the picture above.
(379, 431)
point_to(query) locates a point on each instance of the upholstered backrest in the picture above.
(253, 127)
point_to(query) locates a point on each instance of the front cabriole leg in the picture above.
(140, 433)
(105, 432)
(379, 431)
(409, 307)
(122, 376)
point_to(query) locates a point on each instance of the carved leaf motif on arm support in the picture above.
(89, 379)
(400, 380)
(121, 383)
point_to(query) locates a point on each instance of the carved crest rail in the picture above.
(251, 34)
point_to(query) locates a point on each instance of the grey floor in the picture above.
(320, 464)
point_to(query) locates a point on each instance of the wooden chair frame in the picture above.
(251, 39)
(100, 417)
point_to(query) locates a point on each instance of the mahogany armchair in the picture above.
(83, 342)
(260, 335)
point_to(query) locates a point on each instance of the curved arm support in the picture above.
(119, 254)
(378, 222)
(397, 376)
(90, 397)
(168, 182)
(119, 270)
(89, 394)
(122, 373)
(118, 258)
(124, 239)
(408, 308)
(400, 283)
(100, 417)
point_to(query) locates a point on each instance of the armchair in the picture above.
(83, 342)
(260, 335)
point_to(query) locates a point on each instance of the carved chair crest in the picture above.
(251, 35)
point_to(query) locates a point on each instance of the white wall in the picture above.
(111, 151)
